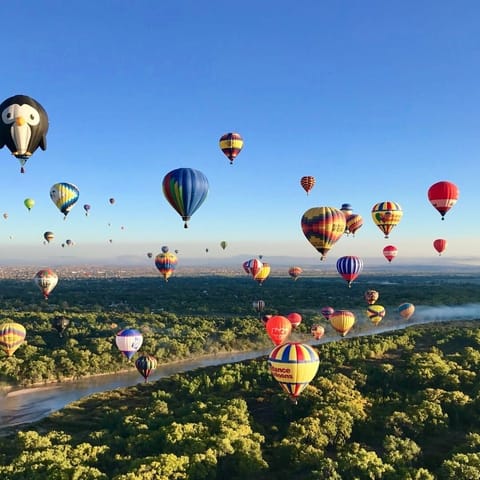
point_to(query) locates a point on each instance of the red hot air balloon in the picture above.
(443, 196)
(390, 252)
(278, 328)
(440, 244)
(253, 267)
(349, 268)
(295, 272)
(295, 319)
(307, 183)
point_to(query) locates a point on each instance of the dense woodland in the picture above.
(400, 405)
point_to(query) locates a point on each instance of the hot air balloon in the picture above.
(354, 222)
(46, 280)
(443, 196)
(317, 331)
(252, 266)
(231, 144)
(5, 215)
(185, 189)
(386, 215)
(69, 242)
(258, 305)
(371, 296)
(165, 249)
(323, 226)
(295, 319)
(294, 366)
(347, 209)
(166, 263)
(145, 365)
(342, 321)
(129, 341)
(12, 335)
(23, 127)
(263, 274)
(406, 310)
(375, 313)
(111, 201)
(149, 254)
(440, 244)
(307, 183)
(295, 272)
(278, 328)
(87, 208)
(326, 312)
(64, 196)
(60, 324)
(349, 267)
(29, 203)
(48, 236)
(223, 244)
(390, 252)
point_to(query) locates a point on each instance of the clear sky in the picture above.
(378, 100)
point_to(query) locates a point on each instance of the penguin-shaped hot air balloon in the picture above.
(23, 127)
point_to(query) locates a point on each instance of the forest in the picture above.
(397, 405)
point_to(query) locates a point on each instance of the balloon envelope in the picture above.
(145, 365)
(278, 328)
(307, 182)
(262, 274)
(440, 244)
(64, 196)
(223, 244)
(326, 312)
(375, 313)
(46, 280)
(390, 252)
(231, 144)
(354, 222)
(166, 264)
(129, 341)
(60, 324)
(371, 296)
(342, 321)
(406, 310)
(295, 319)
(294, 366)
(48, 236)
(29, 203)
(295, 272)
(349, 267)
(258, 305)
(185, 189)
(443, 196)
(386, 215)
(323, 226)
(317, 331)
(12, 335)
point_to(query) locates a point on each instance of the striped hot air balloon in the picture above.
(12, 335)
(323, 227)
(349, 267)
(440, 244)
(376, 313)
(406, 310)
(145, 365)
(129, 341)
(294, 366)
(64, 196)
(354, 222)
(307, 182)
(166, 263)
(231, 144)
(386, 215)
(342, 321)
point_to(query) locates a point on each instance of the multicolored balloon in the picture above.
(12, 335)
(386, 215)
(342, 321)
(443, 196)
(46, 280)
(295, 272)
(440, 244)
(371, 296)
(48, 236)
(145, 365)
(347, 209)
(252, 267)
(278, 328)
(294, 366)
(185, 189)
(376, 313)
(64, 196)
(323, 227)
(23, 127)
(390, 252)
(166, 263)
(129, 341)
(354, 222)
(406, 310)
(349, 267)
(307, 182)
(231, 144)
(318, 331)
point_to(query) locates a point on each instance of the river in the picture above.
(24, 406)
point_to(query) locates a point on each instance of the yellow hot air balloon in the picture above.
(294, 366)
(342, 321)
(387, 215)
(12, 335)
(323, 226)
(262, 275)
(376, 313)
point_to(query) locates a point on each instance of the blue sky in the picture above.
(378, 100)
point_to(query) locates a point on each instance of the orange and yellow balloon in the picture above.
(386, 215)
(342, 321)
(307, 182)
(376, 313)
(12, 335)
